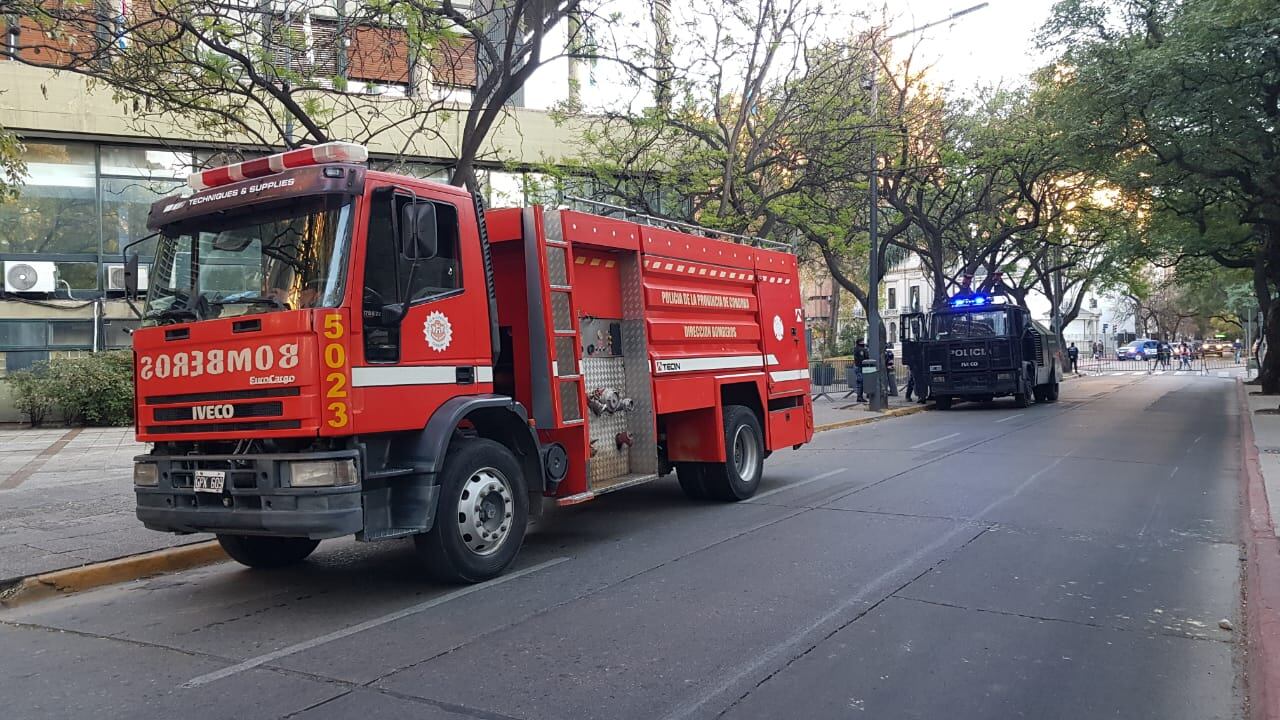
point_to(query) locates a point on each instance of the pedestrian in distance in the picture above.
(1163, 354)
(860, 355)
(1235, 347)
(891, 379)
(1184, 356)
(1073, 354)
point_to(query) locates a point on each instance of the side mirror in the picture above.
(392, 315)
(418, 231)
(131, 276)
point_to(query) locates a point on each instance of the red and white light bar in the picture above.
(261, 167)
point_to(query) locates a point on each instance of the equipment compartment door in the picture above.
(782, 327)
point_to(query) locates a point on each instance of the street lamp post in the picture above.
(874, 344)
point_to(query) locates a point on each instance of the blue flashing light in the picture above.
(972, 301)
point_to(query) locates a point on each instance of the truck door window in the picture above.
(390, 278)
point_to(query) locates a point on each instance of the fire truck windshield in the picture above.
(260, 258)
(970, 325)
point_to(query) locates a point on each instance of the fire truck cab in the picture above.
(330, 350)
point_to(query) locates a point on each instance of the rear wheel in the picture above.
(942, 402)
(481, 517)
(267, 552)
(739, 475)
(1051, 392)
(1024, 397)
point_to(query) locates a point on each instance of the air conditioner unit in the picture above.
(115, 277)
(30, 276)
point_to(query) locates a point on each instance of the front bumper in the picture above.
(255, 500)
(973, 384)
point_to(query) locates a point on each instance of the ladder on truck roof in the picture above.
(652, 220)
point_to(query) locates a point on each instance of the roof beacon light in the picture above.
(272, 164)
(971, 301)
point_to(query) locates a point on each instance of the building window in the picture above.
(22, 334)
(57, 207)
(893, 331)
(893, 299)
(913, 293)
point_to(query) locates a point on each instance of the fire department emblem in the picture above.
(438, 331)
(778, 329)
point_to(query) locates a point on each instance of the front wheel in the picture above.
(739, 475)
(1051, 393)
(481, 518)
(267, 552)
(1024, 397)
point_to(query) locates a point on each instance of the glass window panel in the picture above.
(22, 334)
(506, 189)
(55, 211)
(15, 361)
(115, 333)
(71, 334)
(145, 162)
(125, 203)
(78, 275)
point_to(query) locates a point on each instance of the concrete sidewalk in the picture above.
(1261, 472)
(66, 499)
(837, 410)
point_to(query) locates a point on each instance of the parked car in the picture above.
(1138, 350)
(1217, 347)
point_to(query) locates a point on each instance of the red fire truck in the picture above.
(330, 350)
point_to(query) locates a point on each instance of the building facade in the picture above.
(93, 170)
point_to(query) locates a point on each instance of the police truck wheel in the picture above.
(1051, 392)
(693, 480)
(481, 515)
(1023, 399)
(1042, 393)
(739, 475)
(266, 552)
(942, 402)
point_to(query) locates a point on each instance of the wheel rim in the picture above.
(746, 453)
(485, 511)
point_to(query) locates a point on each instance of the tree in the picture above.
(296, 73)
(12, 166)
(1180, 101)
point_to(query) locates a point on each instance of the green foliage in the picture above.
(92, 390)
(852, 331)
(12, 166)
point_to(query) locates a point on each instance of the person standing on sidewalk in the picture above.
(891, 379)
(860, 355)
(1073, 354)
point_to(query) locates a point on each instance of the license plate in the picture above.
(210, 481)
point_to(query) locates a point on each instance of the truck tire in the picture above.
(481, 517)
(1051, 392)
(942, 402)
(739, 475)
(693, 480)
(1041, 393)
(1023, 399)
(267, 552)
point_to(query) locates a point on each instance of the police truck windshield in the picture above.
(970, 325)
(263, 258)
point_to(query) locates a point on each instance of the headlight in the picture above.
(322, 473)
(146, 474)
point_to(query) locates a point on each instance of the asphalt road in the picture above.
(1062, 561)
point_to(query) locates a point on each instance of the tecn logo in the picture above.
(969, 352)
(213, 412)
(195, 363)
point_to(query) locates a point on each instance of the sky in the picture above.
(984, 47)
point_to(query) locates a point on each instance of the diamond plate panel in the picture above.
(552, 227)
(609, 461)
(635, 347)
(570, 405)
(566, 356)
(557, 259)
(561, 314)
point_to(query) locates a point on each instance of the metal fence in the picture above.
(1110, 363)
(836, 379)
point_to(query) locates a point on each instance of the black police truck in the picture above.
(977, 349)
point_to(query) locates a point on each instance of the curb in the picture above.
(877, 418)
(1262, 579)
(110, 572)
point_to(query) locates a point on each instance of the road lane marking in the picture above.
(787, 645)
(1140, 372)
(366, 625)
(1180, 373)
(1010, 417)
(1118, 373)
(790, 486)
(20, 475)
(935, 440)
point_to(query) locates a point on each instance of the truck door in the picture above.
(782, 327)
(424, 314)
